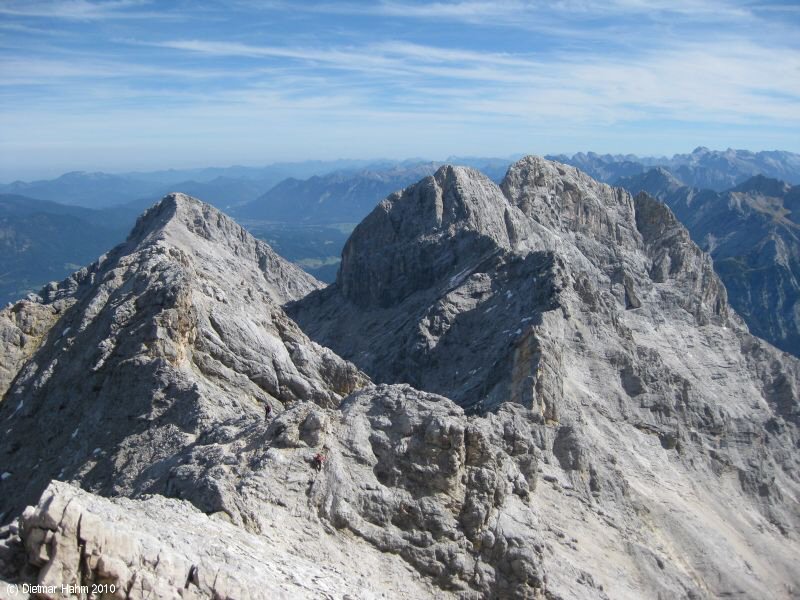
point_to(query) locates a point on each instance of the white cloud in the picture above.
(78, 10)
(730, 81)
(414, 94)
(518, 13)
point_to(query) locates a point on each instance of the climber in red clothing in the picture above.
(318, 461)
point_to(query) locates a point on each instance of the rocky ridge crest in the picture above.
(595, 421)
(159, 347)
(752, 231)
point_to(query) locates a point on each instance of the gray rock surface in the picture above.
(653, 404)
(164, 548)
(588, 418)
(753, 234)
(171, 340)
(23, 327)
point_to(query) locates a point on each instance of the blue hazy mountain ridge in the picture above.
(348, 196)
(752, 232)
(90, 190)
(102, 190)
(223, 187)
(42, 241)
(716, 170)
(223, 192)
(274, 172)
(68, 221)
(341, 197)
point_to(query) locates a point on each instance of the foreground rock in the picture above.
(163, 548)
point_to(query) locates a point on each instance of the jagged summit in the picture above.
(194, 226)
(170, 338)
(566, 407)
(763, 185)
(444, 222)
(433, 260)
(597, 218)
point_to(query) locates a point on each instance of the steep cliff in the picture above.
(566, 408)
(752, 232)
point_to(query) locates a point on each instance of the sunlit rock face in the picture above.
(564, 406)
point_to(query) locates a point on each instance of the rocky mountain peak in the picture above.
(171, 337)
(607, 327)
(766, 186)
(416, 236)
(591, 222)
(194, 227)
(564, 199)
(433, 262)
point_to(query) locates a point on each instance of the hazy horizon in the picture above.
(138, 85)
(55, 173)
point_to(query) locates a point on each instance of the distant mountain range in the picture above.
(306, 210)
(348, 196)
(752, 232)
(341, 197)
(89, 190)
(48, 227)
(42, 241)
(230, 187)
(716, 170)
(223, 187)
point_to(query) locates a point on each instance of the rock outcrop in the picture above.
(170, 341)
(157, 547)
(23, 327)
(753, 234)
(566, 408)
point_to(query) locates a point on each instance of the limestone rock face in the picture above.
(164, 548)
(171, 337)
(752, 233)
(594, 216)
(676, 259)
(648, 398)
(445, 222)
(23, 327)
(566, 407)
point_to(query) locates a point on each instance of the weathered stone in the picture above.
(174, 340)
(663, 434)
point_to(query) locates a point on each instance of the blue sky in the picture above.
(136, 84)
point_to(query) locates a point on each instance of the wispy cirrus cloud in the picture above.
(79, 10)
(518, 13)
(280, 79)
(724, 80)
